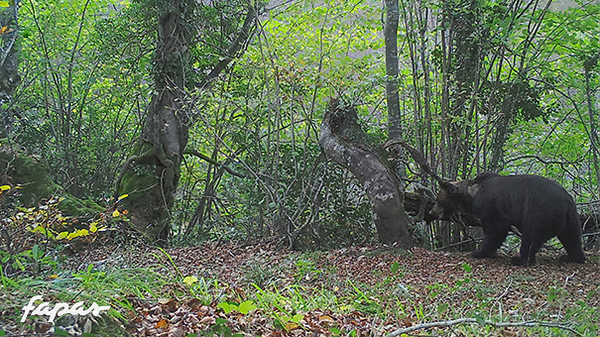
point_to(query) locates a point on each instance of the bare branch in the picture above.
(417, 156)
(540, 159)
(445, 324)
(236, 47)
(214, 162)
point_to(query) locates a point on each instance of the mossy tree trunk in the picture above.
(150, 177)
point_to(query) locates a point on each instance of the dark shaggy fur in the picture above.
(538, 207)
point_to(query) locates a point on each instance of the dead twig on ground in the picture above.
(445, 324)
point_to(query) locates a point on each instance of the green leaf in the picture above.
(442, 307)
(18, 264)
(190, 280)
(61, 235)
(335, 331)
(480, 320)
(227, 308)
(552, 294)
(466, 267)
(297, 318)
(4, 4)
(246, 307)
(34, 251)
(395, 267)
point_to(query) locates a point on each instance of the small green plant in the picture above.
(363, 301)
(33, 260)
(219, 329)
(395, 274)
(306, 270)
(466, 279)
(204, 290)
(283, 309)
(286, 322)
(436, 289)
(335, 332)
(179, 274)
(556, 293)
(90, 276)
(48, 221)
(243, 308)
(260, 273)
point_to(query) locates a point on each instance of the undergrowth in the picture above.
(288, 295)
(390, 301)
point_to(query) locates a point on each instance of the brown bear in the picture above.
(538, 207)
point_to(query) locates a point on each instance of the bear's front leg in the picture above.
(492, 240)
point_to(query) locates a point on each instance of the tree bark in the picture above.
(9, 63)
(151, 176)
(391, 68)
(346, 144)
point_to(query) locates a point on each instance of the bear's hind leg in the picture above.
(571, 240)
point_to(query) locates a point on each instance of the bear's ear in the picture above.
(444, 183)
(452, 187)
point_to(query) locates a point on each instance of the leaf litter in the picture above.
(357, 291)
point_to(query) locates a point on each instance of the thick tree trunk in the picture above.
(345, 143)
(151, 175)
(9, 60)
(9, 64)
(391, 84)
(391, 68)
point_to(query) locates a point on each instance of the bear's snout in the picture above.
(436, 211)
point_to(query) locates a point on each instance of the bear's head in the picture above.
(454, 197)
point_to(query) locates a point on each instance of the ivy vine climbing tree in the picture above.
(150, 176)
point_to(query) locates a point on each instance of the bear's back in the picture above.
(522, 196)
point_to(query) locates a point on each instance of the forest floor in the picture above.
(224, 289)
(267, 290)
